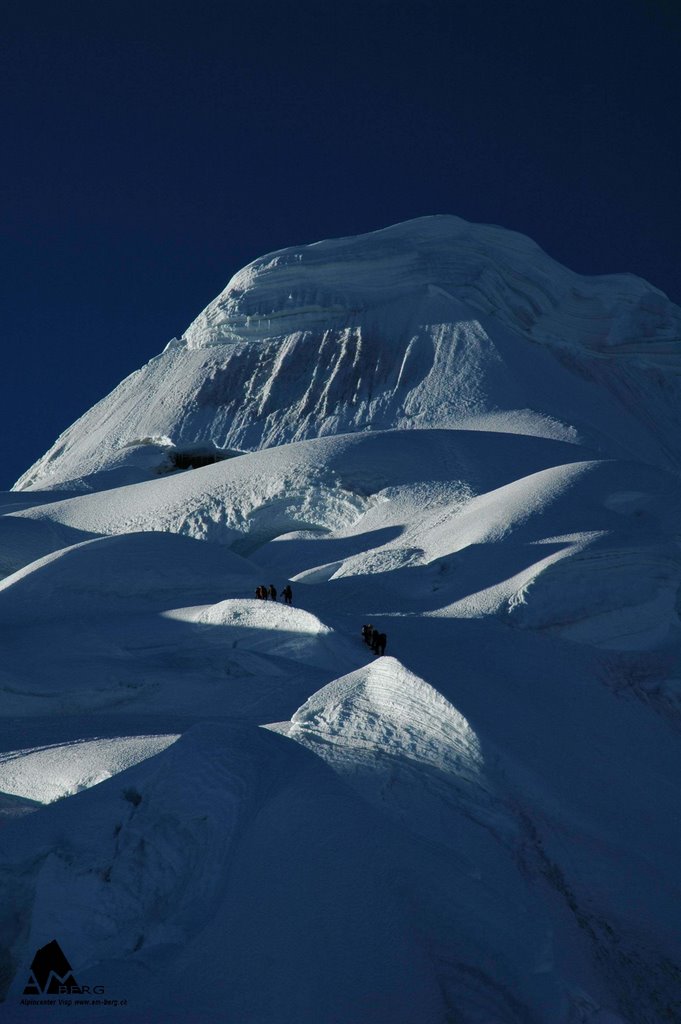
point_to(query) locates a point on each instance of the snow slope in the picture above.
(225, 809)
(45, 774)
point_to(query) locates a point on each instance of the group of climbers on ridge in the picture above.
(372, 637)
(263, 593)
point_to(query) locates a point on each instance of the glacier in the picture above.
(229, 809)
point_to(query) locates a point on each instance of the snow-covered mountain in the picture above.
(229, 809)
(432, 323)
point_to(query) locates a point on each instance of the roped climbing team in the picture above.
(263, 593)
(372, 637)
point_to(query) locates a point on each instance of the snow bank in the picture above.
(261, 495)
(143, 569)
(400, 742)
(617, 598)
(325, 485)
(50, 773)
(277, 630)
(144, 854)
(259, 614)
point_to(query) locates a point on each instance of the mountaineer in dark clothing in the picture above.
(374, 640)
(368, 634)
(380, 643)
(287, 594)
(272, 591)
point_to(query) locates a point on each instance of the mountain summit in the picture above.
(430, 323)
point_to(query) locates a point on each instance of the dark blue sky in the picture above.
(153, 148)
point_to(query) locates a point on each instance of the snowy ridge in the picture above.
(398, 741)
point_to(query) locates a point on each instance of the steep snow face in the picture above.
(431, 323)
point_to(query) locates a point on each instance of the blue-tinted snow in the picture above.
(470, 447)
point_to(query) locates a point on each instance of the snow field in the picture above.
(230, 809)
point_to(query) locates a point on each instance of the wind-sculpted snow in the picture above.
(144, 855)
(45, 774)
(325, 484)
(402, 745)
(258, 629)
(586, 546)
(431, 323)
(489, 268)
(119, 573)
(249, 499)
(229, 808)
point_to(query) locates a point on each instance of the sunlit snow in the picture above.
(45, 774)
